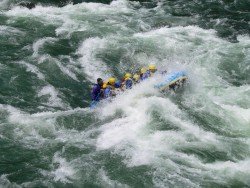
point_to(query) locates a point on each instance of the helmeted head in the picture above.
(111, 81)
(152, 68)
(117, 84)
(128, 75)
(99, 81)
(136, 77)
(143, 70)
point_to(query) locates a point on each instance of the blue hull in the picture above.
(94, 104)
(171, 79)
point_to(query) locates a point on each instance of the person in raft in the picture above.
(127, 81)
(109, 88)
(96, 93)
(146, 73)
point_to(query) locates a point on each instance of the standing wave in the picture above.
(49, 137)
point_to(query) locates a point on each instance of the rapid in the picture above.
(52, 54)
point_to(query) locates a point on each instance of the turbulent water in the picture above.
(52, 54)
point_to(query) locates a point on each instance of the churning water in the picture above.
(52, 54)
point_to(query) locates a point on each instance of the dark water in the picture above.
(51, 55)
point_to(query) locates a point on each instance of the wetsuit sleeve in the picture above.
(94, 92)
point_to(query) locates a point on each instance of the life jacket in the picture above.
(128, 83)
(145, 75)
(117, 84)
(108, 92)
(95, 93)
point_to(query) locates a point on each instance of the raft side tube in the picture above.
(171, 79)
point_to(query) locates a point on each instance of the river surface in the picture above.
(51, 55)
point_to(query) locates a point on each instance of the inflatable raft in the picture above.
(169, 81)
(172, 80)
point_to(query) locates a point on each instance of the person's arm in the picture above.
(94, 93)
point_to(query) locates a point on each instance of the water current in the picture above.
(51, 55)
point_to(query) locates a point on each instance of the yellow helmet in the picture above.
(136, 77)
(128, 75)
(104, 86)
(143, 70)
(112, 80)
(152, 67)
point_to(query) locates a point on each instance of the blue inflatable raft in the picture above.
(171, 80)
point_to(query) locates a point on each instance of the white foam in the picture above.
(134, 135)
(69, 27)
(44, 14)
(178, 43)
(232, 170)
(66, 71)
(107, 182)
(130, 135)
(180, 32)
(40, 43)
(65, 172)
(7, 30)
(29, 130)
(67, 14)
(32, 68)
(36, 129)
(4, 4)
(2, 66)
(5, 182)
(54, 100)
(50, 114)
(92, 66)
(119, 6)
(244, 40)
(241, 113)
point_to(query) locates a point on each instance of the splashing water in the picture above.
(49, 58)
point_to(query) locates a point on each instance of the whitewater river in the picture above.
(51, 55)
